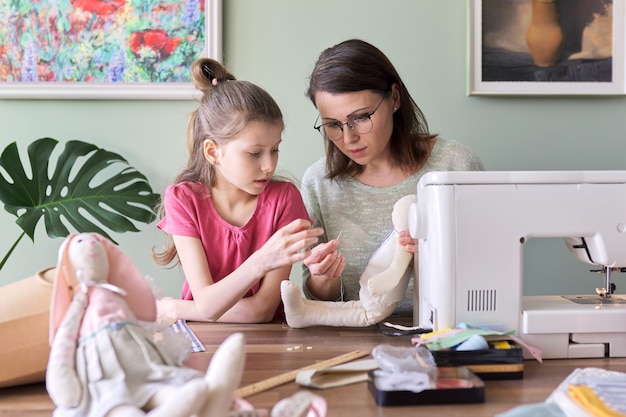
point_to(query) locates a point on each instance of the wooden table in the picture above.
(274, 348)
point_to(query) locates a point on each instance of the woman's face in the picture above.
(339, 111)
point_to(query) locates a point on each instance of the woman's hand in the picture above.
(325, 264)
(325, 261)
(405, 239)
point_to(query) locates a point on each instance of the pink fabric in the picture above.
(104, 307)
(124, 274)
(189, 211)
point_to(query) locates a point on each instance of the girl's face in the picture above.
(248, 161)
(337, 109)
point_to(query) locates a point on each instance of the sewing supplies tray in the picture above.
(455, 385)
(488, 364)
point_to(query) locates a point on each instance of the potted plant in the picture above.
(86, 187)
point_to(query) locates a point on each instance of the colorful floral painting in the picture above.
(100, 41)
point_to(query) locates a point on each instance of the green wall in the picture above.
(275, 43)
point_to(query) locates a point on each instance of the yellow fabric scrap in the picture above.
(588, 399)
(425, 336)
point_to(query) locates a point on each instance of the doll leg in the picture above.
(301, 404)
(224, 375)
(62, 382)
(386, 268)
(301, 312)
(383, 284)
(184, 401)
(209, 396)
(390, 262)
(176, 401)
(126, 411)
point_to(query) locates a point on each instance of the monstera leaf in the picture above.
(88, 188)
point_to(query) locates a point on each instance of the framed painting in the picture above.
(105, 49)
(546, 47)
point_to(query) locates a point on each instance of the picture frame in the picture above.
(113, 49)
(590, 59)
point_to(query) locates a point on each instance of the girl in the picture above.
(236, 231)
(377, 148)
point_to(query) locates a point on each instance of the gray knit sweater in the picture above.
(362, 213)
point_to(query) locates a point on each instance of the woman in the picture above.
(377, 148)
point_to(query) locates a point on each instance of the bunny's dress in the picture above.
(117, 360)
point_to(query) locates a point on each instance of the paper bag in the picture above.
(24, 315)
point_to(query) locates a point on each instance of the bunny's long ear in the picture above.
(124, 274)
(62, 289)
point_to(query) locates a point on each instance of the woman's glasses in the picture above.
(357, 123)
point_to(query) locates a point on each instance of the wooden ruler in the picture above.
(281, 379)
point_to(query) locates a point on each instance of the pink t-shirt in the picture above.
(189, 211)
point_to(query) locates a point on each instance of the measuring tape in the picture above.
(281, 379)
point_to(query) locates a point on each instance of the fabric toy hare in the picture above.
(103, 362)
(382, 285)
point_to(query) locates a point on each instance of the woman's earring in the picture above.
(394, 109)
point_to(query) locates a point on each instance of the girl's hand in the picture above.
(288, 245)
(405, 239)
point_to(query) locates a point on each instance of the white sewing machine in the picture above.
(471, 228)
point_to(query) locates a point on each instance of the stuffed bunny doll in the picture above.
(103, 362)
(382, 285)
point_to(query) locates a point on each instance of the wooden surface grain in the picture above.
(274, 348)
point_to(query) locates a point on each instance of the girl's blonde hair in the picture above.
(226, 107)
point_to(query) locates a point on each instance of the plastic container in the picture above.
(455, 385)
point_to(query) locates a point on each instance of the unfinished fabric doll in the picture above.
(104, 362)
(382, 285)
